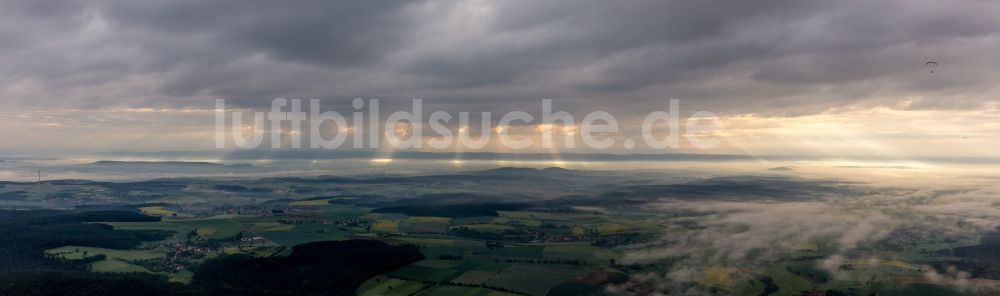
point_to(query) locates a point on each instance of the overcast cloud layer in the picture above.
(771, 58)
(745, 57)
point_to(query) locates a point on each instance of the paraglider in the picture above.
(932, 65)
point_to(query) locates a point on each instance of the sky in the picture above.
(826, 78)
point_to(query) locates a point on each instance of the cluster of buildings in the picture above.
(341, 222)
(186, 249)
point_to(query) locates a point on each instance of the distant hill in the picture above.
(167, 163)
(454, 210)
(523, 171)
(742, 188)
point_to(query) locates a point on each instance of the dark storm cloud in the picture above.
(762, 56)
(320, 32)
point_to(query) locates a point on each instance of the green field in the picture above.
(412, 226)
(222, 227)
(534, 215)
(117, 260)
(183, 277)
(474, 277)
(435, 263)
(180, 230)
(493, 266)
(431, 219)
(442, 242)
(518, 221)
(304, 233)
(76, 253)
(116, 266)
(271, 226)
(310, 202)
(532, 279)
(383, 286)
(485, 227)
(718, 277)
(788, 281)
(531, 252)
(444, 290)
(217, 227)
(156, 211)
(577, 251)
(424, 274)
(388, 226)
(609, 228)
